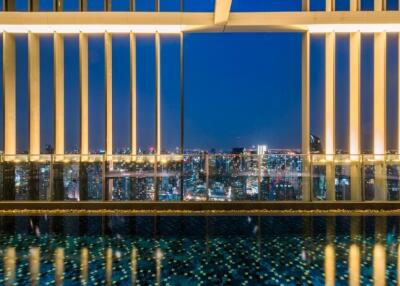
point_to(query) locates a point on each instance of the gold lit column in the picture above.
(380, 114)
(329, 5)
(305, 116)
(34, 93)
(158, 93)
(84, 92)
(58, 42)
(355, 5)
(132, 41)
(9, 94)
(379, 5)
(305, 5)
(108, 100)
(330, 150)
(355, 114)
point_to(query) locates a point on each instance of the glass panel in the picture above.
(281, 177)
(195, 180)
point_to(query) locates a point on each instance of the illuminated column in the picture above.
(58, 42)
(329, 5)
(108, 99)
(58, 5)
(355, 114)
(83, 5)
(355, 5)
(379, 5)
(158, 93)
(33, 5)
(330, 42)
(305, 115)
(305, 5)
(34, 93)
(398, 107)
(330, 265)
(107, 5)
(380, 114)
(9, 95)
(9, 5)
(84, 93)
(132, 41)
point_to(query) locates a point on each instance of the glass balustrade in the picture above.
(200, 177)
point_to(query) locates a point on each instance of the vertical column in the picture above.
(379, 5)
(132, 41)
(132, 6)
(58, 42)
(380, 114)
(182, 103)
(158, 93)
(330, 150)
(355, 115)
(9, 115)
(398, 98)
(9, 5)
(34, 93)
(108, 89)
(305, 116)
(84, 93)
(107, 5)
(9, 94)
(58, 5)
(34, 110)
(329, 5)
(305, 5)
(83, 5)
(355, 5)
(33, 5)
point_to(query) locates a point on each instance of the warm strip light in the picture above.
(349, 28)
(91, 29)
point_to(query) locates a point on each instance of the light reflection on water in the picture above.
(199, 250)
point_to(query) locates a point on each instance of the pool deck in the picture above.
(373, 207)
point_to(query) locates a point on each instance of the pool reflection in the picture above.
(229, 250)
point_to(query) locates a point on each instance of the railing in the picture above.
(200, 177)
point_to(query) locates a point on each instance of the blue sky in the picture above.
(240, 89)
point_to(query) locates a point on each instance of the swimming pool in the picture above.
(198, 250)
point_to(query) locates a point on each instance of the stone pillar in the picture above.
(58, 41)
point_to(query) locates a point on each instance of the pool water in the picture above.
(198, 250)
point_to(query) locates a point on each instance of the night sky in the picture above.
(240, 89)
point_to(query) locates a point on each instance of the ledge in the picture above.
(193, 208)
